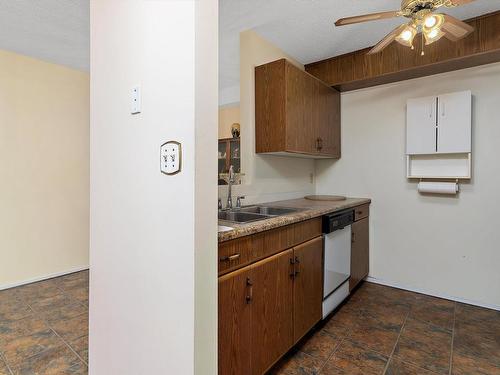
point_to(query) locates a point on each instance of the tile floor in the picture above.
(44, 327)
(382, 330)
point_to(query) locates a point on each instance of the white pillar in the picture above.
(153, 237)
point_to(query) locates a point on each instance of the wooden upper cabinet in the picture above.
(308, 286)
(295, 112)
(235, 319)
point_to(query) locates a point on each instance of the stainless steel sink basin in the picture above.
(271, 211)
(254, 213)
(240, 217)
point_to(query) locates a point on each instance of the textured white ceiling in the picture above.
(304, 28)
(52, 30)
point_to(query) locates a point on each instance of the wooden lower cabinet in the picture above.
(266, 307)
(308, 287)
(235, 322)
(272, 310)
(359, 252)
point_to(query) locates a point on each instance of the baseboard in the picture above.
(41, 278)
(434, 294)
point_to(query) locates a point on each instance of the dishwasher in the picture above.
(337, 258)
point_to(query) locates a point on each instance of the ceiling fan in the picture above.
(423, 18)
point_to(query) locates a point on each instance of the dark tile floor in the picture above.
(44, 327)
(382, 330)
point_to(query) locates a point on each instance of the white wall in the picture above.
(441, 245)
(145, 243)
(205, 246)
(266, 177)
(44, 166)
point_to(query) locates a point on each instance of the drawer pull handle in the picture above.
(359, 212)
(230, 258)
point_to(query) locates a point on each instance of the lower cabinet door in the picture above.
(272, 310)
(235, 294)
(359, 252)
(308, 286)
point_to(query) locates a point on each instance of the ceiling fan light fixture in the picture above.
(432, 36)
(407, 35)
(432, 22)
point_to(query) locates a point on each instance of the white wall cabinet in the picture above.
(421, 126)
(439, 124)
(438, 136)
(454, 122)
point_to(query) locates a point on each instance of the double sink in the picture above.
(254, 213)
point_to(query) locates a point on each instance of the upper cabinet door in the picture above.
(299, 111)
(421, 126)
(328, 123)
(454, 122)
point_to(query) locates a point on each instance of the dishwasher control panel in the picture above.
(337, 220)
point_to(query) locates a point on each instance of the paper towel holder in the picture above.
(439, 187)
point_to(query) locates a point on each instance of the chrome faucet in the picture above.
(230, 183)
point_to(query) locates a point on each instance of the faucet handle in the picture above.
(238, 201)
(220, 204)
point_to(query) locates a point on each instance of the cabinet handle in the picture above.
(292, 264)
(297, 266)
(230, 258)
(353, 237)
(319, 144)
(249, 297)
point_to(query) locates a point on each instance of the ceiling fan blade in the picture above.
(461, 2)
(455, 29)
(366, 18)
(389, 38)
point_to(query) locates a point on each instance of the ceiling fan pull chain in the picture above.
(422, 53)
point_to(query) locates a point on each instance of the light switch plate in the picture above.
(170, 157)
(135, 100)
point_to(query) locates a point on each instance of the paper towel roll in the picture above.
(438, 187)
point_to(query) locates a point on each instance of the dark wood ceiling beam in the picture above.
(357, 70)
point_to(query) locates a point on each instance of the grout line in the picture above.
(2, 358)
(332, 353)
(396, 343)
(69, 346)
(453, 336)
(49, 325)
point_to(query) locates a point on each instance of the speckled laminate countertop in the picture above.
(310, 209)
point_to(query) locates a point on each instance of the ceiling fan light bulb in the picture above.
(430, 21)
(406, 35)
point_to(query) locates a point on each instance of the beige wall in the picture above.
(227, 117)
(266, 177)
(44, 165)
(446, 246)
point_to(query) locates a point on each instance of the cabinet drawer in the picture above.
(236, 253)
(361, 212)
(242, 251)
(307, 230)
